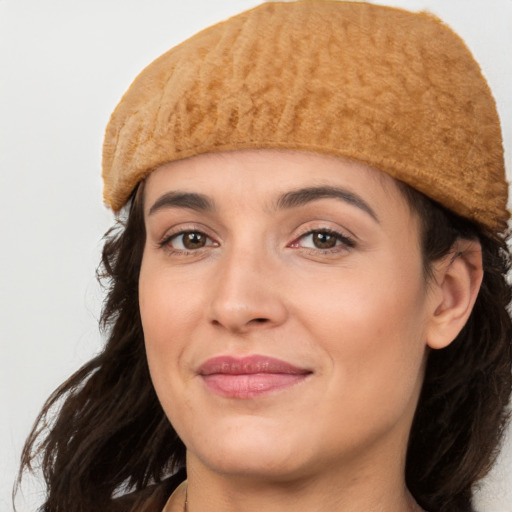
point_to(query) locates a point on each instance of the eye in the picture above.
(323, 239)
(188, 241)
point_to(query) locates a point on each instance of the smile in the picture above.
(249, 377)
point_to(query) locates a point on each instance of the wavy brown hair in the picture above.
(103, 433)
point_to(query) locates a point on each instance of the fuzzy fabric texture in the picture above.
(393, 89)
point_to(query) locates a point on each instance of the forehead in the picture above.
(258, 175)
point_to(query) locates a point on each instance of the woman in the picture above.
(307, 302)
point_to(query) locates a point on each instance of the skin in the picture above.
(359, 316)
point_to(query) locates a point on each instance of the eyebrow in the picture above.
(190, 200)
(302, 196)
(292, 199)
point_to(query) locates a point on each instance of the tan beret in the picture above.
(393, 89)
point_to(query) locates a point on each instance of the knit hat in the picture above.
(396, 90)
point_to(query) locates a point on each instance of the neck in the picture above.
(361, 489)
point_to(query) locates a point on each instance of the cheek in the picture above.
(372, 327)
(169, 312)
(169, 300)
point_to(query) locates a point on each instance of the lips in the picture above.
(249, 377)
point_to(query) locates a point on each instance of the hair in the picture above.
(462, 410)
(103, 432)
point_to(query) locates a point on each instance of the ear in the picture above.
(456, 283)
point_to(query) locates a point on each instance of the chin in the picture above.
(251, 452)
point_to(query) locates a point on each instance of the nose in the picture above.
(248, 294)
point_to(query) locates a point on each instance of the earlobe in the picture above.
(456, 282)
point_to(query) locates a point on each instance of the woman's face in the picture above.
(285, 311)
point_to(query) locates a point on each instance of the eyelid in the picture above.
(179, 230)
(347, 241)
(175, 236)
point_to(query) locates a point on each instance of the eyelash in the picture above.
(342, 241)
(166, 242)
(345, 242)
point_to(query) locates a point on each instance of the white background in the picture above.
(64, 64)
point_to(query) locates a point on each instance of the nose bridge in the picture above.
(246, 294)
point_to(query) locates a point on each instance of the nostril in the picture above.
(260, 320)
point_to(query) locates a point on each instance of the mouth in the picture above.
(249, 377)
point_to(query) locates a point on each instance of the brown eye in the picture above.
(193, 240)
(324, 240)
(188, 241)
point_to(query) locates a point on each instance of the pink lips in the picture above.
(249, 377)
